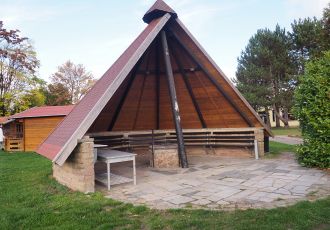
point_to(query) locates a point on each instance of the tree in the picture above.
(32, 95)
(264, 73)
(326, 27)
(18, 63)
(75, 78)
(32, 98)
(306, 41)
(57, 94)
(312, 108)
(309, 38)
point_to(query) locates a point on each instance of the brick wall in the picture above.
(77, 172)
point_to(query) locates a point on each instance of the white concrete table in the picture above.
(110, 156)
(96, 147)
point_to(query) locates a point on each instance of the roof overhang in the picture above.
(63, 152)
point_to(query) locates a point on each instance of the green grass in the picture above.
(275, 148)
(292, 131)
(31, 199)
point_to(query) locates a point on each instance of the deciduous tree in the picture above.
(57, 94)
(75, 78)
(18, 64)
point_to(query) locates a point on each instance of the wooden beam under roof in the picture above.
(214, 81)
(189, 88)
(142, 90)
(123, 98)
(186, 70)
(157, 75)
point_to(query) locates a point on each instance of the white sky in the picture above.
(95, 33)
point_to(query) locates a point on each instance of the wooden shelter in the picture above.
(26, 130)
(164, 83)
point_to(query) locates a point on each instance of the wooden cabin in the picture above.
(25, 131)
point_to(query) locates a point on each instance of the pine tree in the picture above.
(264, 73)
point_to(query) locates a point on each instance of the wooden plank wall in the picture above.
(139, 110)
(37, 129)
(214, 72)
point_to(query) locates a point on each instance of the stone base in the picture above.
(165, 157)
(77, 172)
(233, 151)
(221, 151)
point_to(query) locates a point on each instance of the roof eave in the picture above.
(23, 117)
(65, 151)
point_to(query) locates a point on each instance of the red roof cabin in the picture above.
(25, 131)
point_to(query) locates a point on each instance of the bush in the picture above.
(312, 108)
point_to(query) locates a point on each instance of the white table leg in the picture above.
(134, 171)
(108, 171)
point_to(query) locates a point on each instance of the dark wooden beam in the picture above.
(157, 75)
(142, 90)
(123, 97)
(174, 102)
(212, 79)
(187, 70)
(188, 86)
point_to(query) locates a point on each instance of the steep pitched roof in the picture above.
(131, 71)
(157, 10)
(63, 140)
(44, 111)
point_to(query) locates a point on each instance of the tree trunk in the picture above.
(280, 118)
(277, 116)
(267, 118)
(286, 118)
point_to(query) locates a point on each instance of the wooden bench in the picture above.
(198, 137)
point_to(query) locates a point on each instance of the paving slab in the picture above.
(214, 182)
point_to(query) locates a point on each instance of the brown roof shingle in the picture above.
(44, 111)
(64, 138)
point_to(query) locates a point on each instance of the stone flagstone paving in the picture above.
(214, 182)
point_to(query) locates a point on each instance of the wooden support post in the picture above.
(213, 80)
(266, 144)
(174, 102)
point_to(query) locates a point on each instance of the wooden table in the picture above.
(110, 156)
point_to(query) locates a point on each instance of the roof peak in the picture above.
(157, 10)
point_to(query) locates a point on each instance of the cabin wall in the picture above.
(10, 129)
(13, 136)
(37, 129)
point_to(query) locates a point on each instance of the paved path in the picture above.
(214, 182)
(287, 140)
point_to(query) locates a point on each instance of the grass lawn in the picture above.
(276, 148)
(292, 131)
(30, 199)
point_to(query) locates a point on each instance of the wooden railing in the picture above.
(244, 137)
(14, 144)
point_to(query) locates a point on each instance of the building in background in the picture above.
(25, 131)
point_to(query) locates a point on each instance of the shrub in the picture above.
(312, 108)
